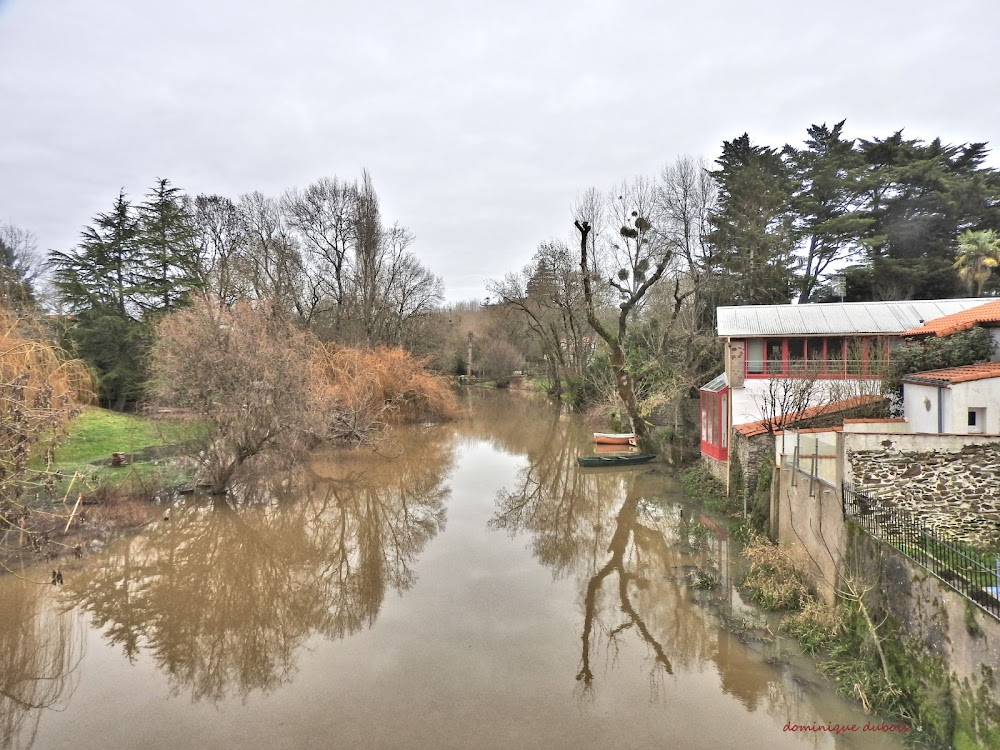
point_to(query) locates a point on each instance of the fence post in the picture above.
(812, 475)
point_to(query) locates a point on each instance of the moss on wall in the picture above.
(909, 672)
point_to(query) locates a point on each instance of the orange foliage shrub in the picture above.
(263, 385)
(40, 389)
(366, 389)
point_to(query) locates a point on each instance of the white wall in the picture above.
(977, 394)
(916, 400)
(877, 425)
(956, 400)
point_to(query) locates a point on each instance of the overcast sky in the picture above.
(480, 123)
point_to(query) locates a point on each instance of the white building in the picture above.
(956, 401)
(790, 358)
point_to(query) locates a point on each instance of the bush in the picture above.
(702, 486)
(366, 389)
(816, 626)
(498, 362)
(936, 353)
(40, 389)
(262, 385)
(774, 579)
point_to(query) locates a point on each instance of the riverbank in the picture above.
(99, 482)
(877, 642)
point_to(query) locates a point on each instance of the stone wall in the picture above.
(716, 467)
(748, 457)
(945, 649)
(955, 493)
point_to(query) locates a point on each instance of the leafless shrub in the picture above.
(776, 580)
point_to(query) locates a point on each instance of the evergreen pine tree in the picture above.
(751, 235)
(168, 247)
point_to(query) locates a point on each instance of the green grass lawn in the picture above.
(146, 443)
(97, 433)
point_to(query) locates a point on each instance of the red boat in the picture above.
(614, 438)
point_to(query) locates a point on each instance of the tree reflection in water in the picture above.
(40, 649)
(225, 594)
(631, 546)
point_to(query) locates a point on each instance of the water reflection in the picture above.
(634, 550)
(224, 595)
(40, 649)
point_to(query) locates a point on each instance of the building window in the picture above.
(817, 356)
(816, 352)
(796, 349)
(775, 356)
(977, 420)
(833, 360)
(755, 357)
(715, 418)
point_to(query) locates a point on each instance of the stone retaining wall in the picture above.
(956, 493)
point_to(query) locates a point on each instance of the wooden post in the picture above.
(79, 497)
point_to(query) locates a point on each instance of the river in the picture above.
(465, 587)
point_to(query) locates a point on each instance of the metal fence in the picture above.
(973, 574)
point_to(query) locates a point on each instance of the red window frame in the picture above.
(836, 368)
(715, 423)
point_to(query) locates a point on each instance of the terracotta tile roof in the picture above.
(962, 374)
(960, 321)
(875, 419)
(762, 426)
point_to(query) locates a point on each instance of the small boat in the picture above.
(614, 438)
(619, 450)
(605, 461)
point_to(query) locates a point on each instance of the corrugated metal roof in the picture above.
(836, 317)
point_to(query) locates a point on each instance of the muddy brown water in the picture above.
(468, 588)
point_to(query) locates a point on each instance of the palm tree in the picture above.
(978, 254)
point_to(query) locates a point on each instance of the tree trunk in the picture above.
(623, 382)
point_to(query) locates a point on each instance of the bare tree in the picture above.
(412, 292)
(498, 361)
(323, 216)
(222, 244)
(369, 254)
(273, 264)
(637, 257)
(245, 372)
(685, 198)
(389, 289)
(548, 293)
